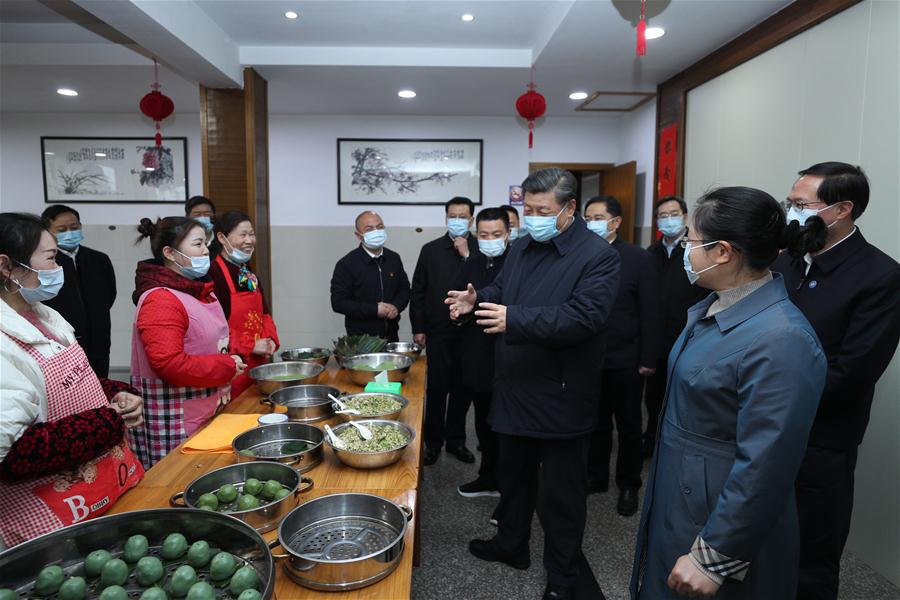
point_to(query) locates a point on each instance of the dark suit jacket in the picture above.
(634, 334)
(851, 296)
(436, 272)
(85, 300)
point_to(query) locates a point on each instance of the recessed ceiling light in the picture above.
(468, 18)
(149, 169)
(291, 15)
(99, 155)
(66, 92)
(655, 32)
(406, 94)
(578, 95)
(49, 153)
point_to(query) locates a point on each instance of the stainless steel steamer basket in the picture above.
(342, 542)
(304, 403)
(67, 547)
(268, 443)
(272, 377)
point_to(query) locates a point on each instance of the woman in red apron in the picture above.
(179, 345)
(63, 455)
(252, 330)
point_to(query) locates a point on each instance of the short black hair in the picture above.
(459, 200)
(562, 183)
(20, 235)
(193, 201)
(677, 199)
(612, 205)
(52, 212)
(493, 214)
(841, 182)
(512, 210)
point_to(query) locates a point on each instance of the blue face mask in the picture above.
(51, 281)
(206, 222)
(601, 228)
(671, 226)
(375, 239)
(199, 266)
(513, 234)
(542, 229)
(237, 256)
(492, 248)
(692, 275)
(69, 240)
(457, 227)
(802, 216)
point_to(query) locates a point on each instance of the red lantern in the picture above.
(157, 105)
(530, 106)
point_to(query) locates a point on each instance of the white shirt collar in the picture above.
(70, 253)
(670, 247)
(369, 252)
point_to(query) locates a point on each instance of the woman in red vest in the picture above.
(252, 331)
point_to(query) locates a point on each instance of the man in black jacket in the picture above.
(89, 290)
(369, 286)
(676, 296)
(440, 263)
(630, 355)
(549, 306)
(492, 228)
(850, 293)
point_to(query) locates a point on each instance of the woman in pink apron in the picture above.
(252, 331)
(63, 454)
(179, 344)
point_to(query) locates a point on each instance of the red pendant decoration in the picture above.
(642, 31)
(530, 106)
(157, 105)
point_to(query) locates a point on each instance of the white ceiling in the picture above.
(352, 56)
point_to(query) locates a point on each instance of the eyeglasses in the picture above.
(671, 214)
(799, 205)
(684, 242)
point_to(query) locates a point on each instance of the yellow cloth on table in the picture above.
(217, 435)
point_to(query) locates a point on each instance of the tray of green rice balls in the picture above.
(258, 493)
(157, 554)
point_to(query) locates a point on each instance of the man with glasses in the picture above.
(676, 296)
(850, 292)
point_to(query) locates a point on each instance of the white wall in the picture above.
(637, 141)
(830, 93)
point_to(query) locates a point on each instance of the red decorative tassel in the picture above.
(531, 134)
(642, 32)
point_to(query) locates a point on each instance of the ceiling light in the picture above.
(655, 32)
(49, 153)
(99, 155)
(66, 92)
(291, 15)
(406, 94)
(149, 169)
(578, 95)
(468, 18)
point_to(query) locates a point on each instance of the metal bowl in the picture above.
(272, 377)
(342, 542)
(304, 403)
(391, 416)
(266, 517)
(295, 354)
(267, 443)
(371, 460)
(360, 375)
(410, 349)
(67, 547)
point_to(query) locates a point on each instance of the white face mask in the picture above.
(693, 275)
(238, 257)
(802, 216)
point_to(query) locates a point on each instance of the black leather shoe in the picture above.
(431, 455)
(595, 486)
(484, 549)
(552, 592)
(628, 502)
(462, 453)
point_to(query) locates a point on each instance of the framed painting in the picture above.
(114, 170)
(401, 171)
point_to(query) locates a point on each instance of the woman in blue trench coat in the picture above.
(745, 376)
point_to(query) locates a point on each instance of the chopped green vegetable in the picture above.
(384, 438)
(373, 405)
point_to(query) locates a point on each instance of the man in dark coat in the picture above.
(630, 355)
(549, 306)
(676, 296)
(369, 286)
(440, 263)
(89, 290)
(850, 293)
(492, 229)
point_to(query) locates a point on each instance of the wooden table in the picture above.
(399, 482)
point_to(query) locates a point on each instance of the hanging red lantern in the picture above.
(157, 105)
(531, 105)
(642, 31)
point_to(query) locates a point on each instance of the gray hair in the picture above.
(559, 181)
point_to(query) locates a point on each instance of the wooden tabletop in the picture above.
(398, 482)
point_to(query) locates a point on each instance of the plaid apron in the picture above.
(44, 504)
(172, 413)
